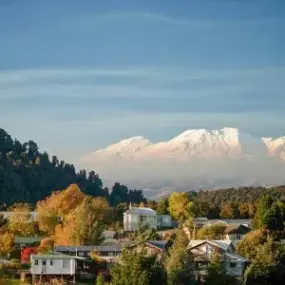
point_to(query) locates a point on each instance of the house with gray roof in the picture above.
(134, 217)
(47, 266)
(202, 252)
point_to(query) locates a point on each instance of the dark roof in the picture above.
(237, 229)
(158, 244)
(87, 248)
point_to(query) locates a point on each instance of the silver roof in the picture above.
(141, 211)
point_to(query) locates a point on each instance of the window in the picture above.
(51, 262)
(44, 262)
(65, 263)
(233, 265)
(80, 253)
(36, 262)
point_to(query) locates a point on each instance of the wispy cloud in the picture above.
(93, 20)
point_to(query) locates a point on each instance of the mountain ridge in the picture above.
(227, 140)
(194, 159)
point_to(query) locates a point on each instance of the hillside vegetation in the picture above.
(27, 175)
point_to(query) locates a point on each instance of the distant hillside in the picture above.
(238, 196)
(27, 175)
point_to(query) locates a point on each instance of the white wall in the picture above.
(133, 221)
(59, 266)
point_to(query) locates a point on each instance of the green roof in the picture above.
(27, 240)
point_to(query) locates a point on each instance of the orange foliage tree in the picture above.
(56, 207)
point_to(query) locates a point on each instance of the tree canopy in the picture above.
(28, 175)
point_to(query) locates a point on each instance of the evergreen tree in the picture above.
(137, 269)
(179, 264)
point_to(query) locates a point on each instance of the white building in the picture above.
(53, 264)
(203, 250)
(136, 216)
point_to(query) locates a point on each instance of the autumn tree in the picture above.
(20, 222)
(248, 247)
(84, 225)
(213, 231)
(6, 243)
(46, 245)
(180, 206)
(267, 268)
(57, 206)
(227, 211)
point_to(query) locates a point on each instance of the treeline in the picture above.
(29, 176)
(233, 202)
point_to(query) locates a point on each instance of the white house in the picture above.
(54, 264)
(137, 216)
(134, 217)
(203, 250)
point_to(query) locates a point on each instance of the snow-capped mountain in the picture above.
(275, 147)
(200, 158)
(227, 142)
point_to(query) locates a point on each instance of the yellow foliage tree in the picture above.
(84, 225)
(20, 221)
(227, 211)
(46, 245)
(180, 206)
(6, 243)
(57, 206)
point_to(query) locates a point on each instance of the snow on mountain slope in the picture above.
(275, 147)
(195, 159)
(125, 147)
(227, 142)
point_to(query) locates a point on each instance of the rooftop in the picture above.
(237, 229)
(141, 211)
(55, 255)
(89, 248)
(27, 240)
(223, 244)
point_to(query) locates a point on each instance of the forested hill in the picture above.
(239, 195)
(28, 175)
(233, 202)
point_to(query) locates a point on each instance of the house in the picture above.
(46, 266)
(106, 252)
(157, 248)
(137, 216)
(203, 250)
(203, 221)
(236, 232)
(134, 217)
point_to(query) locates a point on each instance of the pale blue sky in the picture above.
(78, 75)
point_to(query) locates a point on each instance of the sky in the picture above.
(76, 76)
